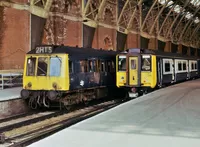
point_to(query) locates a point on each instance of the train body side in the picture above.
(140, 72)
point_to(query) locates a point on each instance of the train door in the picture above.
(134, 71)
(173, 70)
(159, 71)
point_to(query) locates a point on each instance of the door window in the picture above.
(133, 64)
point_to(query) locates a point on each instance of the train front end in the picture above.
(45, 75)
(136, 72)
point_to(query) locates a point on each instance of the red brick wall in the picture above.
(15, 39)
(132, 41)
(102, 33)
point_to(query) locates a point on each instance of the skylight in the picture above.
(196, 3)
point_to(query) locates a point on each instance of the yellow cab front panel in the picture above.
(46, 72)
(121, 70)
(148, 71)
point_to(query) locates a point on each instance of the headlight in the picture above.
(55, 85)
(29, 84)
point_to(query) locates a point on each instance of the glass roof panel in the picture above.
(196, 3)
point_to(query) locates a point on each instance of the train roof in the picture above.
(73, 52)
(157, 52)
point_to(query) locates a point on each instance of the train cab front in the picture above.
(44, 77)
(136, 72)
(128, 73)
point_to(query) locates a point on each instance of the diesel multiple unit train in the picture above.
(141, 70)
(64, 76)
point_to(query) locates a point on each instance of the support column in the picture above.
(167, 46)
(37, 30)
(153, 43)
(180, 48)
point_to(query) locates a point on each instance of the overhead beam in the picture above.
(166, 18)
(189, 23)
(177, 16)
(32, 8)
(149, 12)
(164, 6)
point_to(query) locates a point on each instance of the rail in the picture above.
(10, 78)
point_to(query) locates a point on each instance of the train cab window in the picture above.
(31, 66)
(55, 66)
(167, 67)
(184, 66)
(146, 63)
(71, 67)
(83, 66)
(42, 66)
(179, 66)
(122, 63)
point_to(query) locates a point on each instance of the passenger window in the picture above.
(184, 66)
(31, 67)
(42, 66)
(133, 64)
(93, 66)
(109, 66)
(167, 66)
(192, 65)
(83, 66)
(55, 66)
(113, 66)
(71, 67)
(195, 65)
(102, 66)
(179, 66)
(146, 63)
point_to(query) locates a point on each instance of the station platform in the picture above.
(10, 93)
(169, 117)
(10, 102)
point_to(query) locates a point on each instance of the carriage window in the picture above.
(71, 67)
(179, 66)
(109, 66)
(184, 66)
(92, 66)
(55, 66)
(102, 64)
(31, 66)
(83, 66)
(133, 64)
(167, 66)
(146, 63)
(113, 66)
(122, 63)
(192, 65)
(195, 65)
(42, 66)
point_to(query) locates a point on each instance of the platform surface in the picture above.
(168, 117)
(10, 93)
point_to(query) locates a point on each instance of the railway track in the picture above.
(28, 131)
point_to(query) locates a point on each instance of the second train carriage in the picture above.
(141, 70)
(67, 75)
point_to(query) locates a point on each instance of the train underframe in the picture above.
(134, 92)
(65, 99)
